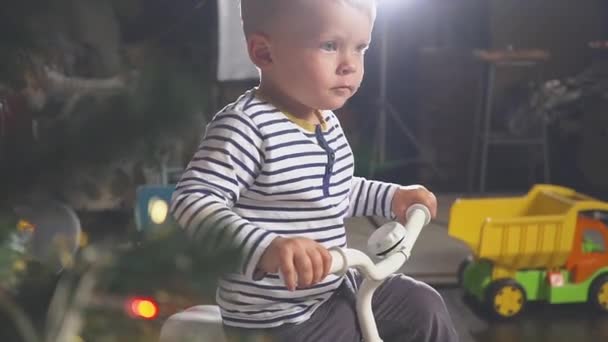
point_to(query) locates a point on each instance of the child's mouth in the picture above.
(343, 90)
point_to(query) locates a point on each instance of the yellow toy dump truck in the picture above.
(548, 245)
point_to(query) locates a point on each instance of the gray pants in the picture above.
(405, 310)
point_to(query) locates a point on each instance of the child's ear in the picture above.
(258, 46)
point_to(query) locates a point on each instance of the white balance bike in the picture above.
(392, 243)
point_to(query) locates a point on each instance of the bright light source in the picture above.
(392, 2)
(142, 308)
(158, 209)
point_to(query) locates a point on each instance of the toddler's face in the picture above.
(318, 53)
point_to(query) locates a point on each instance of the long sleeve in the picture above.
(226, 164)
(371, 198)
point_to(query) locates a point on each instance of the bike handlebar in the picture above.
(343, 258)
(418, 216)
(394, 243)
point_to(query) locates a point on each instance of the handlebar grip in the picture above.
(419, 209)
(338, 261)
(418, 216)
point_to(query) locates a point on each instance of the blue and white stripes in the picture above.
(258, 175)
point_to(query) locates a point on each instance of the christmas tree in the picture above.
(93, 96)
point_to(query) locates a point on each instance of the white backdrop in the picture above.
(233, 61)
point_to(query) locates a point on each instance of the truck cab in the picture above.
(589, 250)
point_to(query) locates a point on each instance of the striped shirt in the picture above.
(258, 175)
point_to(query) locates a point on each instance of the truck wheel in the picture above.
(598, 293)
(505, 299)
(461, 268)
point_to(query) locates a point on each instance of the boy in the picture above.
(273, 177)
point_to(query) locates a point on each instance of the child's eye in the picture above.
(329, 46)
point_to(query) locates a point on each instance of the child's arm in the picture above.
(225, 164)
(375, 198)
(371, 198)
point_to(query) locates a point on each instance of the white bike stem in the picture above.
(365, 314)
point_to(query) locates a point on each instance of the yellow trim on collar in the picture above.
(309, 126)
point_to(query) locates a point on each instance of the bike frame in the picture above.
(392, 242)
(375, 274)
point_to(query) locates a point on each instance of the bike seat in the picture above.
(201, 323)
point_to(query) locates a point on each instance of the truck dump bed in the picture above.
(530, 231)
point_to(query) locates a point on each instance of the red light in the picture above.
(142, 308)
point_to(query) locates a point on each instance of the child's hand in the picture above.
(302, 261)
(406, 196)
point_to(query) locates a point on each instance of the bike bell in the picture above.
(387, 239)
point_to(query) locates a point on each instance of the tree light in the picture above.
(158, 209)
(142, 308)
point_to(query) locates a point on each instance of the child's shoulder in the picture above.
(248, 114)
(248, 105)
(257, 113)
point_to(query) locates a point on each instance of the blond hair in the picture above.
(256, 14)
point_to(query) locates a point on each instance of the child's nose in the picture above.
(347, 67)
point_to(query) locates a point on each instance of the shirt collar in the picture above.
(308, 126)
